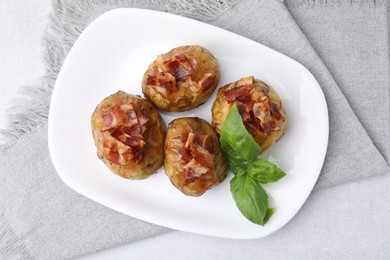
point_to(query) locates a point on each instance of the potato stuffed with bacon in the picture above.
(181, 79)
(128, 134)
(193, 158)
(260, 108)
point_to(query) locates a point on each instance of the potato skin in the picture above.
(171, 89)
(221, 108)
(177, 137)
(146, 159)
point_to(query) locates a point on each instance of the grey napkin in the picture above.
(40, 217)
(351, 39)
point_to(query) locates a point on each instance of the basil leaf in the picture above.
(233, 158)
(268, 215)
(241, 152)
(236, 143)
(264, 171)
(240, 171)
(250, 199)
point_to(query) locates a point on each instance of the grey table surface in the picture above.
(350, 221)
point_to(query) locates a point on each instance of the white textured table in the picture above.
(350, 221)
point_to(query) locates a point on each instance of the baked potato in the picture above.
(193, 158)
(128, 134)
(260, 108)
(181, 79)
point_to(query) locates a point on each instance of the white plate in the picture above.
(112, 54)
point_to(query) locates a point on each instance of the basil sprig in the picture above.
(241, 152)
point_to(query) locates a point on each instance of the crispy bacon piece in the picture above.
(111, 151)
(176, 143)
(196, 167)
(201, 155)
(243, 109)
(123, 124)
(189, 176)
(114, 157)
(254, 106)
(187, 82)
(179, 66)
(261, 110)
(163, 82)
(242, 92)
(113, 118)
(134, 142)
(129, 136)
(185, 154)
(207, 81)
(116, 153)
(119, 115)
(276, 112)
(173, 70)
(137, 155)
(132, 117)
(142, 120)
(108, 119)
(208, 143)
(205, 141)
(196, 155)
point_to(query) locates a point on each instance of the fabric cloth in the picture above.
(353, 43)
(40, 217)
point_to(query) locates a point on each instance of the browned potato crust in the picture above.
(260, 107)
(128, 134)
(182, 78)
(193, 158)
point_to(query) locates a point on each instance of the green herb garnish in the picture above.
(241, 152)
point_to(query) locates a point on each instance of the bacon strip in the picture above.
(243, 109)
(113, 118)
(201, 155)
(242, 92)
(196, 154)
(124, 125)
(207, 81)
(111, 152)
(205, 141)
(132, 118)
(116, 154)
(189, 176)
(261, 110)
(173, 70)
(179, 66)
(254, 106)
(276, 112)
(108, 119)
(163, 80)
(196, 168)
(185, 153)
(142, 120)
